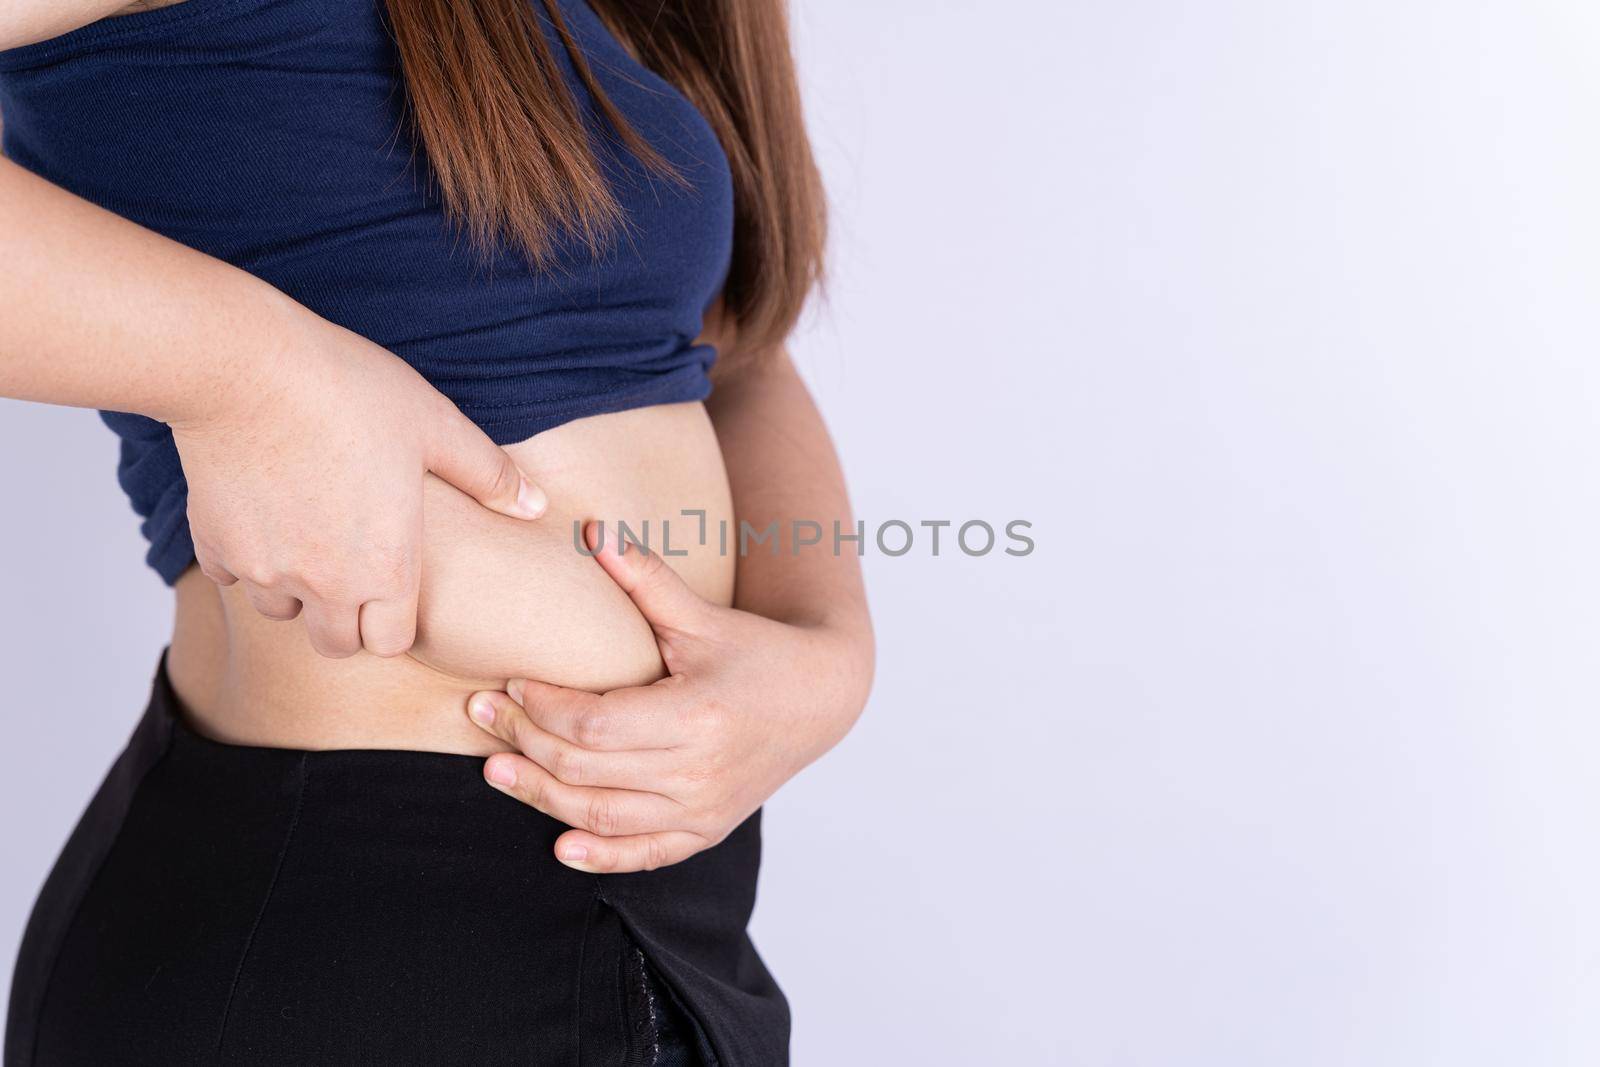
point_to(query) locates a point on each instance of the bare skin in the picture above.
(28, 21)
(371, 566)
(500, 598)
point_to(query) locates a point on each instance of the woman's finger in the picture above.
(214, 570)
(607, 812)
(389, 627)
(673, 610)
(584, 851)
(275, 605)
(464, 456)
(640, 770)
(649, 716)
(333, 627)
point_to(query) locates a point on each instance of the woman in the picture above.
(386, 300)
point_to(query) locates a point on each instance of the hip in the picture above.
(234, 904)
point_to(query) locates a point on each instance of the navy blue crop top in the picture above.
(270, 133)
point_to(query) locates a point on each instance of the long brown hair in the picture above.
(507, 146)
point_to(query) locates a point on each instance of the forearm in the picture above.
(96, 311)
(26, 21)
(783, 470)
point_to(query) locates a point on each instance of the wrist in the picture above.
(265, 333)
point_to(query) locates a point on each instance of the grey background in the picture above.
(1278, 320)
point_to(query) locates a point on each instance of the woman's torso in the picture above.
(272, 134)
(501, 598)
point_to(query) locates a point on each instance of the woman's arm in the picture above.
(26, 22)
(783, 469)
(304, 445)
(650, 776)
(100, 312)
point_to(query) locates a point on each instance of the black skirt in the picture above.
(240, 905)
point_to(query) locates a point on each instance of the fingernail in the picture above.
(573, 854)
(514, 687)
(502, 774)
(482, 711)
(531, 500)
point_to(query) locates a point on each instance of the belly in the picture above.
(500, 599)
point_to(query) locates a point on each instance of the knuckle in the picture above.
(518, 730)
(212, 569)
(601, 815)
(590, 730)
(272, 606)
(653, 854)
(535, 791)
(651, 566)
(489, 470)
(258, 574)
(567, 765)
(507, 479)
(710, 716)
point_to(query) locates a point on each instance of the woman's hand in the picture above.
(651, 775)
(304, 445)
(305, 485)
